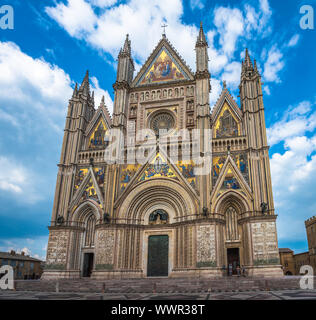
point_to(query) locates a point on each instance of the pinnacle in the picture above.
(201, 38)
(85, 84)
(248, 64)
(127, 45)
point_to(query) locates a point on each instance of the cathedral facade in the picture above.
(160, 216)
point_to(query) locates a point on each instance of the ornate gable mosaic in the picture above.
(226, 125)
(158, 168)
(163, 69)
(98, 137)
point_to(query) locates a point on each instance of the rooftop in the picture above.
(285, 250)
(17, 256)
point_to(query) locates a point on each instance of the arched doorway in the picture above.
(235, 248)
(88, 247)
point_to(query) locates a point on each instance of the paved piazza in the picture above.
(251, 295)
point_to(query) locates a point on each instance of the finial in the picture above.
(164, 29)
(201, 39)
(224, 84)
(85, 84)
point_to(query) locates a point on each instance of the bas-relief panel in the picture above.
(57, 247)
(264, 242)
(206, 252)
(163, 69)
(105, 249)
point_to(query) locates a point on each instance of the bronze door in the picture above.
(233, 259)
(158, 247)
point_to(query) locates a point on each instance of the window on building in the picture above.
(13, 263)
(4, 262)
(32, 265)
(21, 264)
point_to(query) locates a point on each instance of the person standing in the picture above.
(230, 269)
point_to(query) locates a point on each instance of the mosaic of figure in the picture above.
(90, 192)
(187, 170)
(163, 69)
(230, 181)
(127, 174)
(160, 216)
(99, 174)
(98, 138)
(240, 160)
(81, 173)
(159, 168)
(218, 163)
(228, 126)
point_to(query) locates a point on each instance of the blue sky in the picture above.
(54, 42)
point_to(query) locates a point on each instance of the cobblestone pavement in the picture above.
(251, 295)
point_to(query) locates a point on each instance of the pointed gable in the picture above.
(158, 168)
(230, 179)
(89, 186)
(226, 117)
(163, 65)
(98, 127)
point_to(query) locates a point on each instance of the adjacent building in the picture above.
(25, 267)
(291, 263)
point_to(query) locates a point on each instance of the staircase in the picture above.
(161, 285)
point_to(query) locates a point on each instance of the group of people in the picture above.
(240, 270)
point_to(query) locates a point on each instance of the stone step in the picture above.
(158, 285)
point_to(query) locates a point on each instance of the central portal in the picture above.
(158, 247)
(233, 259)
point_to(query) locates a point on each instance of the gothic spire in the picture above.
(201, 40)
(248, 63)
(127, 47)
(75, 90)
(85, 86)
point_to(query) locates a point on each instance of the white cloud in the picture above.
(215, 91)
(33, 100)
(77, 17)
(107, 30)
(17, 180)
(294, 171)
(294, 40)
(197, 4)
(232, 74)
(35, 248)
(273, 65)
(103, 3)
(266, 89)
(230, 25)
(296, 121)
(98, 93)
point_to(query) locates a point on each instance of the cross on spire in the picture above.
(164, 29)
